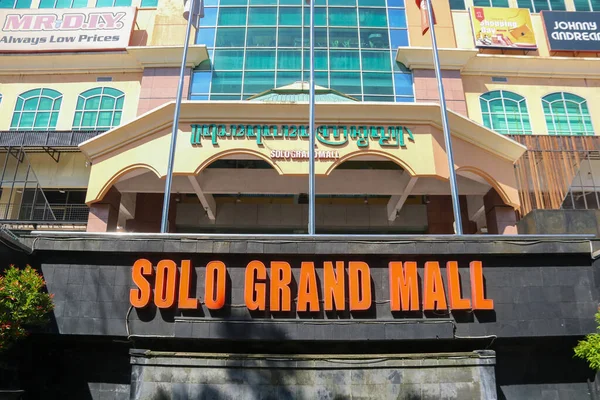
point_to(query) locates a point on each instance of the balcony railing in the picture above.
(58, 213)
(46, 138)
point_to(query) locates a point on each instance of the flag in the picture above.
(197, 12)
(425, 16)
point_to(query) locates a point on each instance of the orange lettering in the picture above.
(166, 280)
(404, 286)
(477, 288)
(434, 297)
(307, 288)
(140, 297)
(214, 295)
(333, 286)
(185, 301)
(359, 277)
(281, 295)
(456, 302)
(255, 293)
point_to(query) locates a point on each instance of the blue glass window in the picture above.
(201, 82)
(111, 3)
(290, 16)
(15, 3)
(397, 18)
(399, 38)
(262, 16)
(261, 37)
(376, 60)
(230, 37)
(206, 36)
(257, 82)
(404, 84)
(226, 82)
(36, 109)
(210, 17)
(228, 60)
(232, 16)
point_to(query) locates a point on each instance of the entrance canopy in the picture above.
(408, 134)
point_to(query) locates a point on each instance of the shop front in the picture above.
(241, 167)
(145, 316)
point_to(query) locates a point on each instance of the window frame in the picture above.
(501, 95)
(532, 7)
(590, 5)
(56, 1)
(554, 131)
(82, 100)
(53, 110)
(14, 6)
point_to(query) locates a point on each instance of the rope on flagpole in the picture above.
(311, 112)
(191, 15)
(447, 138)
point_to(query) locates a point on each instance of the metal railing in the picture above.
(44, 212)
(46, 138)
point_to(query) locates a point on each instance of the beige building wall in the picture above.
(71, 171)
(70, 85)
(533, 89)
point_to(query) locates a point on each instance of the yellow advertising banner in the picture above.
(69, 29)
(505, 28)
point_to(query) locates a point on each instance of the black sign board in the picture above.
(572, 31)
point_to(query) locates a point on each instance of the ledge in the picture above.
(422, 57)
(132, 59)
(342, 245)
(471, 62)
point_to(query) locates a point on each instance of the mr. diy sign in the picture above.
(268, 286)
(84, 29)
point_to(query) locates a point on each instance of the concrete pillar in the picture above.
(501, 218)
(159, 86)
(426, 89)
(440, 215)
(104, 215)
(148, 213)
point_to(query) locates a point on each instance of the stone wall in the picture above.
(463, 376)
(540, 286)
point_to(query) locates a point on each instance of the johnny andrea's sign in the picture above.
(65, 29)
(330, 135)
(572, 31)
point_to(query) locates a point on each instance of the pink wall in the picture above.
(426, 89)
(159, 86)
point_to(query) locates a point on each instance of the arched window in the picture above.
(505, 112)
(98, 108)
(37, 109)
(567, 114)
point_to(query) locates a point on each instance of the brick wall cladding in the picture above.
(533, 296)
(463, 376)
(543, 289)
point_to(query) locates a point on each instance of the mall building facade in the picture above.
(76, 134)
(237, 301)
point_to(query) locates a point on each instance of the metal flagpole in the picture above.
(447, 138)
(312, 132)
(165, 211)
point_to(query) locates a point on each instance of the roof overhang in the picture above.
(138, 144)
(132, 59)
(472, 62)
